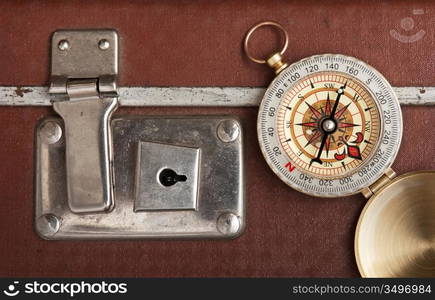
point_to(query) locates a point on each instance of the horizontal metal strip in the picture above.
(189, 96)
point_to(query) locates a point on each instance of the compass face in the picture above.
(329, 125)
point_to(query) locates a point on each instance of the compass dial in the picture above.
(329, 125)
(305, 119)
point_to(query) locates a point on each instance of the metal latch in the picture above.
(133, 176)
(84, 69)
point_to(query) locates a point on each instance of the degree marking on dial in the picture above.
(356, 97)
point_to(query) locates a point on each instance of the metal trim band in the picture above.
(189, 96)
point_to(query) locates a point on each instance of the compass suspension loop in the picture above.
(275, 61)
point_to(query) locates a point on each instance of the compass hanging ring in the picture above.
(275, 61)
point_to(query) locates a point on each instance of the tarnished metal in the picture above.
(88, 153)
(167, 177)
(219, 210)
(190, 96)
(84, 67)
(77, 54)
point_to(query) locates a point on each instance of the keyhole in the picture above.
(169, 177)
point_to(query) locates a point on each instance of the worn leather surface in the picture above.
(187, 43)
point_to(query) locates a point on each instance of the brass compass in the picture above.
(330, 125)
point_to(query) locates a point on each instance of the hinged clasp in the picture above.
(84, 54)
(84, 69)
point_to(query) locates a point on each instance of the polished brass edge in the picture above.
(277, 63)
(386, 178)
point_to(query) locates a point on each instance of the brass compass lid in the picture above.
(395, 235)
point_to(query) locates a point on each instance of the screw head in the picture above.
(48, 225)
(228, 131)
(228, 224)
(50, 132)
(103, 44)
(63, 45)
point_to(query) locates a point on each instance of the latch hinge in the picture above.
(82, 89)
(84, 69)
(378, 184)
(84, 54)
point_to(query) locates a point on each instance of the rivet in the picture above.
(63, 45)
(103, 44)
(228, 131)
(48, 225)
(50, 132)
(228, 224)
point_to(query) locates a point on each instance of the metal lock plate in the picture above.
(167, 177)
(208, 202)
